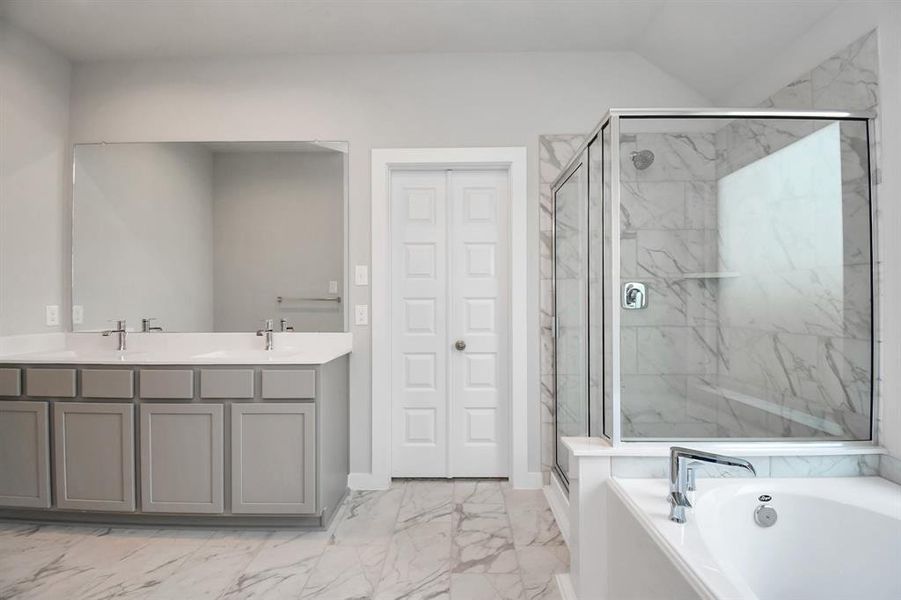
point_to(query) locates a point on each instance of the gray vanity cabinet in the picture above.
(182, 458)
(273, 458)
(94, 456)
(24, 454)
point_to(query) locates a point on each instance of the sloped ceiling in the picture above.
(708, 44)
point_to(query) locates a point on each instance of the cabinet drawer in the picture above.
(167, 383)
(226, 383)
(50, 383)
(107, 383)
(10, 382)
(285, 383)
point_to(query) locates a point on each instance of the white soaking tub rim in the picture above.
(686, 546)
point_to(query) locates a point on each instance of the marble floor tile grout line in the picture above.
(403, 498)
(516, 552)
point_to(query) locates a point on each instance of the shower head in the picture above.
(642, 159)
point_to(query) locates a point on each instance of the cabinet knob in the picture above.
(460, 345)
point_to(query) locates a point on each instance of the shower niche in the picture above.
(713, 279)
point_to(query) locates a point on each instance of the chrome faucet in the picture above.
(267, 331)
(681, 476)
(146, 327)
(120, 330)
(285, 327)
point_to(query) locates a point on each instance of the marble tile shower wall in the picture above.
(796, 332)
(554, 152)
(669, 239)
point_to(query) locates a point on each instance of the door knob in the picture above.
(460, 345)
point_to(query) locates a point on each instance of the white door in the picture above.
(449, 318)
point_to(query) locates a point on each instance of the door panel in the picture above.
(24, 454)
(478, 373)
(273, 463)
(419, 298)
(182, 458)
(94, 446)
(449, 276)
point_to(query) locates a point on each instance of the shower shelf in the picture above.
(710, 275)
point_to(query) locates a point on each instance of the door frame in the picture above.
(384, 161)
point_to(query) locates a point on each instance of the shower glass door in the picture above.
(570, 300)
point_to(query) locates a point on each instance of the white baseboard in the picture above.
(559, 503)
(368, 481)
(565, 585)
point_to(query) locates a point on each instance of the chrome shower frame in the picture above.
(612, 120)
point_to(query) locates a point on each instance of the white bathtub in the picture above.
(835, 538)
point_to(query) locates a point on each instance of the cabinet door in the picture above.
(273, 458)
(94, 456)
(181, 458)
(24, 455)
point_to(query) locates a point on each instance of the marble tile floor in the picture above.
(421, 539)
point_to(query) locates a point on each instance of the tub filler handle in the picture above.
(682, 477)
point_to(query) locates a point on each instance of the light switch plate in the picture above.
(361, 314)
(361, 275)
(77, 314)
(332, 287)
(52, 315)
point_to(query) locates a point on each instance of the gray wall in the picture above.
(279, 231)
(144, 235)
(34, 180)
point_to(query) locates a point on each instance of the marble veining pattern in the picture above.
(422, 539)
(554, 152)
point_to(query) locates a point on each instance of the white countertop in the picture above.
(299, 348)
(595, 446)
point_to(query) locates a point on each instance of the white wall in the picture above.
(373, 101)
(143, 239)
(34, 123)
(278, 231)
(849, 22)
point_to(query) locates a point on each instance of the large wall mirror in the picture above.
(210, 236)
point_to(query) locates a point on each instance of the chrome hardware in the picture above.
(146, 327)
(635, 295)
(460, 345)
(266, 331)
(765, 515)
(680, 475)
(121, 331)
(284, 327)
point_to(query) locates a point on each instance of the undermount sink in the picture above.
(251, 355)
(76, 355)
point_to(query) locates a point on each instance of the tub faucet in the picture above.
(681, 476)
(267, 331)
(120, 330)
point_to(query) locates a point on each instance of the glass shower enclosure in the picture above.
(714, 278)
